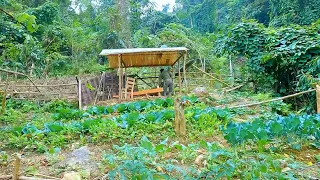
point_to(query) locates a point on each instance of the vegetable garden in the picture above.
(137, 140)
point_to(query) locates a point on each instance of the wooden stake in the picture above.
(80, 93)
(179, 77)
(16, 75)
(16, 169)
(184, 71)
(31, 70)
(318, 99)
(179, 120)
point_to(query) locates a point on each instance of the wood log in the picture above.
(16, 169)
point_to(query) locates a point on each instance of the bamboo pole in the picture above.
(184, 71)
(119, 74)
(53, 85)
(179, 77)
(79, 93)
(234, 88)
(318, 99)
(41, 93)
(210, 75)
(277, 99)
(8, 177)
(173, 77)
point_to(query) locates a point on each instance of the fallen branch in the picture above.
(277, 99)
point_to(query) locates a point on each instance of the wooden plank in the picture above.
(149, 91)
(146, 92)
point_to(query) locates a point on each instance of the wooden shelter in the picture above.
(146, 57)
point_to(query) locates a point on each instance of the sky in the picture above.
(160, 3)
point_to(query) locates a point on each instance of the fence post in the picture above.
(318, 98)
(80, 93)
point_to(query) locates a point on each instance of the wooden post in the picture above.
(80, 94)
(15, 175)
(173, 77)
(231, 69)
(318, 99)
(120, 76)
(179, 120)
(179, 76)
(184, 71)
(31, 71)
(16, 75)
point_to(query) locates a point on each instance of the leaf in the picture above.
(159, 147)
(90, 87)
(145, 143)
(121, 108)
(276, 128)
(53, 127)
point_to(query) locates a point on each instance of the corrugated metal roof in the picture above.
(106, 52)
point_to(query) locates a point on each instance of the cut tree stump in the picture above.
(179, 120)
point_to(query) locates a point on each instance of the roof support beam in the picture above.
(120, 76)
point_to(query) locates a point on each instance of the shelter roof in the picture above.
(143, 57)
